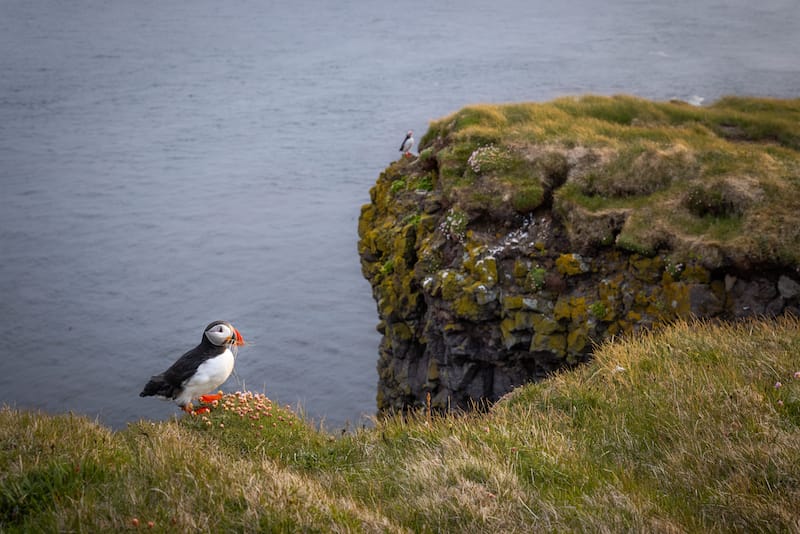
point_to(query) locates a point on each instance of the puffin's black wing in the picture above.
(403, 144)
(169, 383)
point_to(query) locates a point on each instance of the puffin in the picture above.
(199, 371)
(408, 142)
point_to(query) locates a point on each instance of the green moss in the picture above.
(400, 331)
(633, 317)
(535, 278)
(450, 284)
(632, 242)
(608, 288)
(579, 309)
(577, 341)
(466, 307)
(398, 185)
(696, 273)
(486, 271)
(513, 325)
(562, 309)
(512, 303)
(555, 343)
(545, 325)
(677, 295)
(647, 269)
(388, 267)
(598, 310)
(527, 198)
(412, 218)
(520, 269)
(424, 183)
(571, 265)
(452, 163)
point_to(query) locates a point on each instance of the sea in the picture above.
(164, 164)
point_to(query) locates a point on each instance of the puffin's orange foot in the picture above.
(201, 410)
(211, 398)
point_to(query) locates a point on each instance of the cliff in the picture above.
(523, 235)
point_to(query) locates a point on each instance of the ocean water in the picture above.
(167, 163)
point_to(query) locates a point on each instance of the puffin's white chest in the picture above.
(208, 377)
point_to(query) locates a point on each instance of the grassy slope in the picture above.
(692, 435)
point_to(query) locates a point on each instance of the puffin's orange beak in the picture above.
(239, 338)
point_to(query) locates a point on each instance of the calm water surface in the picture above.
(166, 164)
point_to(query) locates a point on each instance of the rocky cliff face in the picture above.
(524, 235)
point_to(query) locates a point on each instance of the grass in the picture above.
(691, 428)
(661, 162)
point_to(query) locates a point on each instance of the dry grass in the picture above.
(690, 429)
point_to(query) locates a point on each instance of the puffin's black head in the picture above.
(222, 333)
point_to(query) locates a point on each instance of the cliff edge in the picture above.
(524, 234)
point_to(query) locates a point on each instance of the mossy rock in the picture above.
(578, 341)
(512, 303)
(677, 295)
(545, 325)
(571, 265)
(516, 329)
(623, 191)
(486, 271)
(521, 269)
(451, 284)
(483, 293)
(538, 304)
(609, 288)
(647, 269)
(696, 273)
(400, 331)
(466, 307)
(555, 343)
(562, 309)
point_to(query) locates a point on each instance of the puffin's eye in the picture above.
(218, 334)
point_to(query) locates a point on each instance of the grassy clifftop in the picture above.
(719, 182)
(524, 234)
(693, 428)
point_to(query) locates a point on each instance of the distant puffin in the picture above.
(199, 371)
(408, 142)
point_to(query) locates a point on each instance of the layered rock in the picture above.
(505, 252)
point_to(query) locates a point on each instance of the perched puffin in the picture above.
(408, 142)
(199, 371)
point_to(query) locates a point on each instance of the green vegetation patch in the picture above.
(698, 176)
(694, 426)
